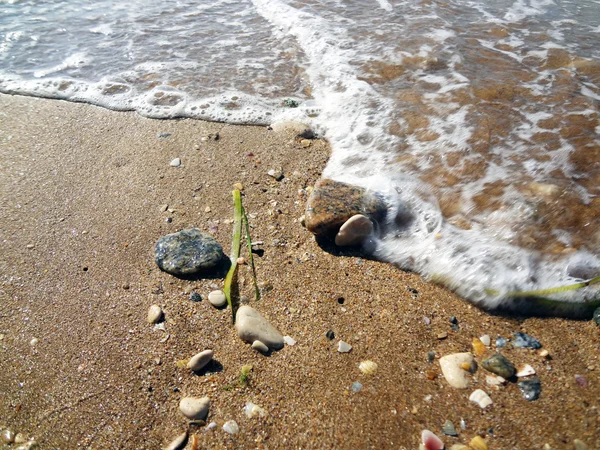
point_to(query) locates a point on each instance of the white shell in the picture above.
(485, 340)
(494, 380)
(354, 230)
(525, 370)
(231, 427)
(481, 398)
(368, 367)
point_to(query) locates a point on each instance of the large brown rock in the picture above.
(332, 203)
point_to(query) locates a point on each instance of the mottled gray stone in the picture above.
(187, 252)
(499, 365)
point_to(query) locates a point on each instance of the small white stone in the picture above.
(524, 370)
(34, 342)
(454, 374)
(481, 398)
(211, 426)
(344, 347)
(231, 427)
(252, 326)
(197, 362)
(251, 410)
(179, 442)
(155, 313)
(194, 408)
(8, 436)
(289, 340)
(175, 162)
(486, 340)
(258, 345)
(354, 230)
(217, 298)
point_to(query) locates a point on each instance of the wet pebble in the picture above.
(179, 442)
(155, 314)
(217, 298)
(197, 362)
(194, 408)
(481, 398)
(448, 428)
(523, 340)
(354, 231)
(187, 252)
(453, 369)
(531, 388)
(344, 347)
(252, 326)
(499, 365)
(231, 427)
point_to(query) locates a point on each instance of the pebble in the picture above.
(499, 365)
(430, 357)
(33, 342)
(501, 342)
(452, 369)
(277, 174)
(597, 316)
(580, 445)
(443, 335)
(217, 298)
(344, 347)
(179, 442)
(251, 410)
(195, 297)
(486, 340)
(430, 441)
(187, 252)
(257, 345)
(194, 408)
(289, 340)
(478, 347)
(531, 388)
(368, 367)
(197, 362)
(356, 387)
(251, 326)
(211, 426)
(523, 340)
(581, 381)
(20, 438)
(481, 398)
(448, 428)
(175, 162)
(231, 427)
(354, 231)
(332, 203)
(8, 436)
(330, 335)
(155, 314)
(524, 370)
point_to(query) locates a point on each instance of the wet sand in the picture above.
(80, 210)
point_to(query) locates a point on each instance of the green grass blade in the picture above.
(549, 291)
(235, 247)
(250, 257)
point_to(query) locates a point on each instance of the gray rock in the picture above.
(187, 252)
(597, 316)
(499, 365)
(197, 362)
(194, 408)
(251, 326)
(525, 341)
(531, 388)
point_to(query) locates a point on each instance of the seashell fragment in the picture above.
(525, 370)
(477, 443)
(430, 441)
(481, 398)
(368, 367)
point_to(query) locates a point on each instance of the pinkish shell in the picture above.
(581, 381)
(431, 441)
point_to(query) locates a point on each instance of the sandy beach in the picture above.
(82, 195)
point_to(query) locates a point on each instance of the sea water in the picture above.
(477, 121)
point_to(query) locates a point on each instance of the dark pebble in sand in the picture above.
(531, 388)
(453, 320)
(187, 252)
(330, 335)
(195, 297)
(430, 357)
(332, 203)
(597, 316)
(523, 340)
(454, 327)
(499, 365)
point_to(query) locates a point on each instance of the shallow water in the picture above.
(477, 121)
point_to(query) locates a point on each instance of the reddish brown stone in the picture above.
(332, 203)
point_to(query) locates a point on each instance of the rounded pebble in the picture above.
(486, 340)
(34, 342)
(179, 442)
(217, 298)
(251, 410)
(354, 231)
(499, 365)
(344, 347)
(197, 362)
(261, 347)
(252, 326)
(523, 340)
(231, 427)
(194, 408)
(195, 297)
(155, 313)
(20, 438)
(453, 371)
(8, 436)
(356, 386)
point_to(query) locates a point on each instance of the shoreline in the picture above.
(81, 199)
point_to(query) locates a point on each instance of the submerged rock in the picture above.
(251, 326)
(531, 388)
(499, 365)
(187, 252)
(332, 203)
(525, 341)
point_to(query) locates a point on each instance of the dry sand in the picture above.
(84, 187)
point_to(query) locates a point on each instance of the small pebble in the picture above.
(30, 246)
(289, 340)
(354, 231)
(8, 436)
(231, 427)
(217, 298)
(330, 335)
(426, 320)
(481, 398)
(486, 340)
(494, 380)
(344, 347)
(452, 369)
(34, 342)
(531, 388)
(238, 186)
(448, 428)
(194, 408)
(356, 387)
(20, 438)
(197, 362)
(179, 442)
(524, 370)
(463, 424)
(258, 345)
(175, 162)
(453, 320)
(523, 340)
(581, 381)
(368, 367)
(544, 354)
(501, 342)
(442, 335)
(580, 445)
(211, 426)
(155, 314)
(430, 441)
(251, 410)
(478, 347)
(241, 260)
(195, 297)
(499, 365)
(252, 326)
(430, 357)
(277, 174)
